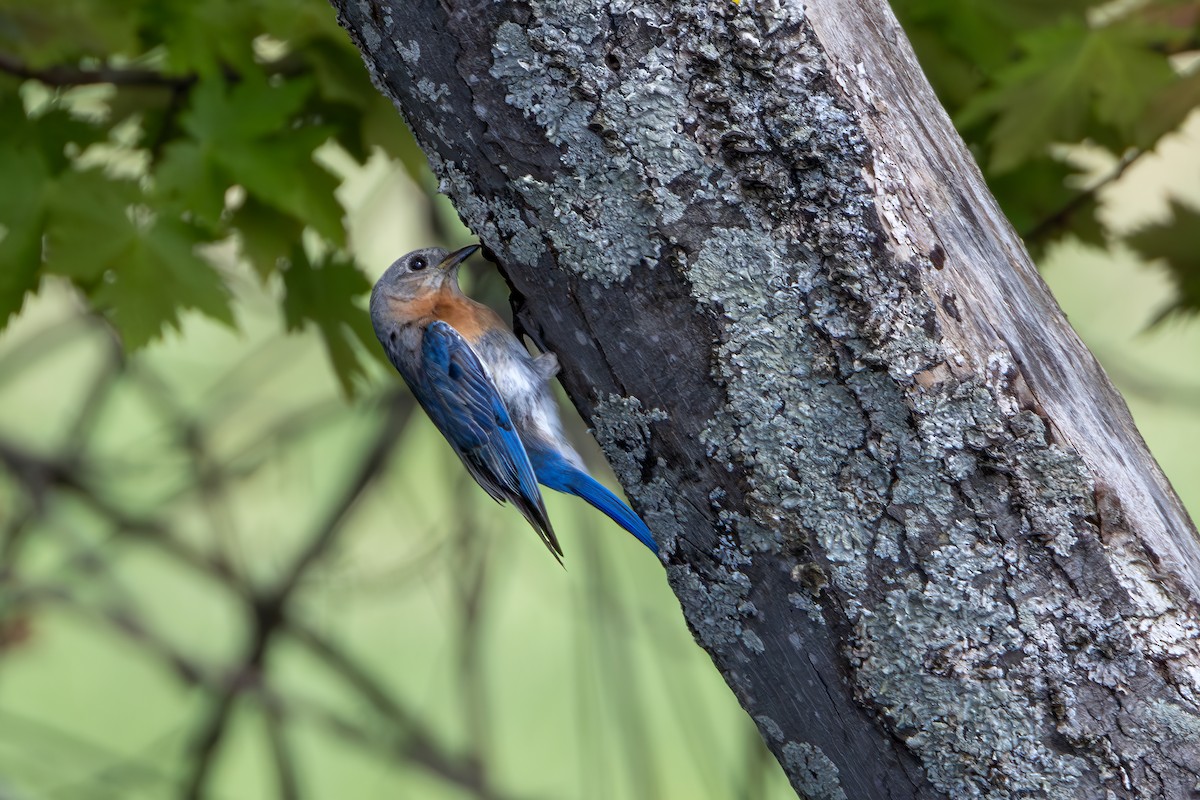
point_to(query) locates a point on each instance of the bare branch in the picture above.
(1058, 220)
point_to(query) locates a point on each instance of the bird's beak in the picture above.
(457, 257)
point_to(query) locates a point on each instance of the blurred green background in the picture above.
(235, 564)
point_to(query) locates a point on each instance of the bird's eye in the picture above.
(417, 264)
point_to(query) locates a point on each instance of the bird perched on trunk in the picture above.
(487, 395)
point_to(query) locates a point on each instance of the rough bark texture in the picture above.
(899, 501)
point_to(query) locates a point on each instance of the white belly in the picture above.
(526, 395)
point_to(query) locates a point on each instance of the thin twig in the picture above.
(212, 731)
(610, 623)
(414, 743)
(473, 575)
(65, 75)
(1060, 218)
(95, 399)
(369, 469)
(417, 742)
(281, 751)
(270, 608)
(204, 472)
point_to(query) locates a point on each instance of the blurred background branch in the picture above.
(89, 582)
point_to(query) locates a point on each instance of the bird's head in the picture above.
(417, 274)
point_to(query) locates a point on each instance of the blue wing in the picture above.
(461, 400)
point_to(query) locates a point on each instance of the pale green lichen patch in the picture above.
(786, 411)
(809, 605)
(502, 226)
(606, 232)
(818, 776)
(622, 426)
(1172, 719)
(537, 85)
(606, 229)
(769, 727)
(934, 656)
(825, 420)
(1047, 472)
(409, 52)
(715, 602)
(433, 92)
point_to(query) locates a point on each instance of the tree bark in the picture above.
(900, 503)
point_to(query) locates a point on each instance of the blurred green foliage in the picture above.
(135, 135)
(1025, 79)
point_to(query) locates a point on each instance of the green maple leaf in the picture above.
(267, 236)
(88, 222)
(22, 220)
(339, 73)
(324, 295)
(1040, 204)
(1072, 83)
(33, 154)
(51, 131)
(189, 180)
(1127, 74)
(203, 38)
(362, 117)
(156, 275)
(251, 133)
(1176, 243)
(1169, 108)
(137, 267)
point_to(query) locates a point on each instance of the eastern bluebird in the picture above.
(483, 390)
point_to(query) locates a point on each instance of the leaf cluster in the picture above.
(1023, 78)
(138, 135)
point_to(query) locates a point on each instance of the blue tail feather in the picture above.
(554, 472)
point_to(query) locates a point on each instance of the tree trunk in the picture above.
(902, 506)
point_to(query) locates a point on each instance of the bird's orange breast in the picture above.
(472, 320)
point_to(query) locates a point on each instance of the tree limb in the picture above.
(901, 505)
